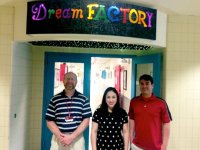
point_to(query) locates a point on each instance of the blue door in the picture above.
(52, 72)
(150, 63)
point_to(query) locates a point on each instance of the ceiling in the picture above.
(184, 7)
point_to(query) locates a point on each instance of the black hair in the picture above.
(146, 77)
(104, 106)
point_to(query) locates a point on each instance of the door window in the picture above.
(63, 67)
(143, 69)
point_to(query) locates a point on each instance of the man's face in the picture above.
(70, 81)
(146, 87)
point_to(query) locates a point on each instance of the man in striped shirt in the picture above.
(67, 116)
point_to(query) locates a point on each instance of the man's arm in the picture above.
(131, 129)
(84, 124)
(165, 135)
(54, 129)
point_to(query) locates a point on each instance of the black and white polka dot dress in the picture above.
(109, 134)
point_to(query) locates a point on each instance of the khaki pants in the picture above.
(134, 147)
(78, 144)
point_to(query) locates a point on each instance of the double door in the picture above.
(95, 73)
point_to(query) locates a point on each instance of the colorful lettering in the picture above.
(76, 13)
(66, 13)
(113, 14)
(142, 17)
(51, 12)
(101, 13)
(124, 11)
(39, 13)
(149, 14)
(58, 13)
(91, 11)
(133, 13)
(95, 12)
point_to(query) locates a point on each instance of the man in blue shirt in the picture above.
(67, 116)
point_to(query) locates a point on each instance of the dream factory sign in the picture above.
(91, 17)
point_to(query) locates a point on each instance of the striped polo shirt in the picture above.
(61, 107)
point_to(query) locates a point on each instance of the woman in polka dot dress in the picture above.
(110, 124)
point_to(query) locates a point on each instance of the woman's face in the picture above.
(111, 100)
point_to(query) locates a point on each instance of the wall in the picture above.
(37, 99)
(181, 81)
(20, 96)
(6, 36)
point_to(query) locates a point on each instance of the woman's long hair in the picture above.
(104, 106)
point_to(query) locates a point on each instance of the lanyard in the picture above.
(69, 107)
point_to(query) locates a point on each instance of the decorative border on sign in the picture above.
(91, 44)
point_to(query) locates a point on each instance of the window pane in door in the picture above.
(143, 69)
(63, 67)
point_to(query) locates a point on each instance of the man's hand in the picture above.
(60, 136)
(66, 139)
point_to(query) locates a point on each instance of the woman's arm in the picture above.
(94, 135)
(126, 136)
